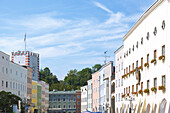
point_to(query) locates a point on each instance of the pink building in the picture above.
(95, 82)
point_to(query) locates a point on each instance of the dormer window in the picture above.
(129, 50)
(155, 31)
(147, 37)
(142, 40)
(133, 47)
(137, 45)
(163, 24)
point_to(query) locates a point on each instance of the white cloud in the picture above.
(103, 7)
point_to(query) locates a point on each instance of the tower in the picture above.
(27, 58)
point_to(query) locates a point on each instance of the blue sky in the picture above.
(68, 34)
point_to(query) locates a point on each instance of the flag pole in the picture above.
(25, 42)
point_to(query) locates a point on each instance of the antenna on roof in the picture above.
(105, 55)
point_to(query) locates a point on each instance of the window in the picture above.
(155, 82)
(69, 99)
(124, 91)
(119, 97)
(129, 50)
(163, 24)
(133, 48)
(136, 87)
(155, 31)
(142, 86)
(129, 89)
(53, 106)
(147, 84)
(94, 82)
(137, 44)
(58, 106)
(132, 88)
(122, 66)
(141, 40)
(147, 58)
(121, 82)
(137, 63)
(78, 96)
(163, 80)
(2, 83)
(116, 97)
(133, 66)
(58, 99)
(147, 36)
(11, 71)
(116, 83)
(64, 99)
(141, 62)
(79, 102)
(3, 69)
(74, 106)
(6, 70)
(155, 54)
(163, 50)
(16, 73)
(119, 67)
(2, 57)
(129, 68)
(124, 71)
(64, 106)
(6, 84)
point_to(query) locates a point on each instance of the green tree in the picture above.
(7, 100)
(96, 67)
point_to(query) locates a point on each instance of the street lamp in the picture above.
(130, 99)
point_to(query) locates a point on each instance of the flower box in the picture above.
(162, 57)
(146, 64)
(123, 96)
(154, 89)
(140, 67)
(140, 92)
(134, 93)
(153, 61)
(161, 88)
(146, 91)
(131, 72)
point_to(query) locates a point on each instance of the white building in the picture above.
(119, 59)
(107, 78)
(89, 95)
(13, 77)
(146, 61)
(84, 98)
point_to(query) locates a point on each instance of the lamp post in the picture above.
(130, 99)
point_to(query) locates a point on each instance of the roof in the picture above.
(120, 48)
(155, 5)
(62, 92)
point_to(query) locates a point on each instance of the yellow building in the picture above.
(34, 95)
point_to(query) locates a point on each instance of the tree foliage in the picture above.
(73, 81)
(7, 99)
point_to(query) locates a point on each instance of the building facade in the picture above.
(146, 61)
(34, 96)
(78, 101)
(119, 60)
(13, 77)
(43, 96)
(95, 82)
(46, 97)
(28, 59)
(39, 96)
(62, 102)
(29, 86)
(84, 102)
(89, 95)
